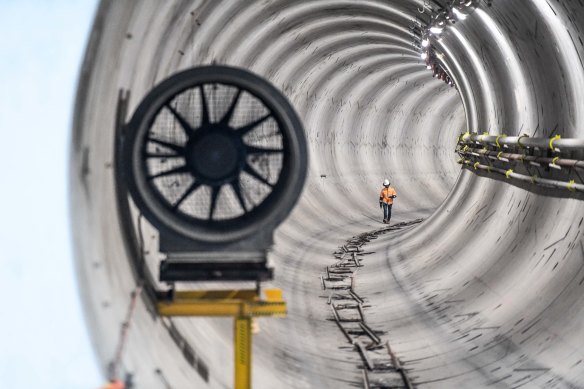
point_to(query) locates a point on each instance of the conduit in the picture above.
(556, 143)
(555, 162)
(504, 155)
(571, 186)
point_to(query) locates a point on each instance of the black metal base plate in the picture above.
(171, 271)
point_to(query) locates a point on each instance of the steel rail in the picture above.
(347, 266)
(397, 365)
(370, 333)
(366, 383)
(338, 320)
(364, 356)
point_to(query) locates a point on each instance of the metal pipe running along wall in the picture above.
(487, 291)
(540, 161)
(509, 173)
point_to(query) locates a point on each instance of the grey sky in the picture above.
(43, 337)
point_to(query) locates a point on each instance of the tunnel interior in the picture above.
(485, 292)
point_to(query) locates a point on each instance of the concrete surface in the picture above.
(486, 292)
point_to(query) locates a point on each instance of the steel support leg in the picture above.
(242, 305)
(242, 347)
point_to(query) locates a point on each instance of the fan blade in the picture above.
(236, 185)
(214, 195)
(259, 150)
(183, 122)
(194, 186)
(227, 117)
(204, 107)
(252, 172)
(174, 147)
(176, 170)
(248, 127)
(161, 155)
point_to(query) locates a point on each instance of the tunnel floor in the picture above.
(433, 340)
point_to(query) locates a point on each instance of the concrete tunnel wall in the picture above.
(488, 290)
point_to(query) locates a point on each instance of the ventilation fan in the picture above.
(215, 158)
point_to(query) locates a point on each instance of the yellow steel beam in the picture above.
(199, 308)
(194, 307)
(224, 303)
(273, 295)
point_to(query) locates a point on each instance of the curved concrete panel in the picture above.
(486, 292)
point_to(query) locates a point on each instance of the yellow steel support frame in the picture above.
(242, 305)
(242, 349)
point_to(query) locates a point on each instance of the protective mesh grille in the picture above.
(165, 150)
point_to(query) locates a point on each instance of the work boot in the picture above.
(384, 221)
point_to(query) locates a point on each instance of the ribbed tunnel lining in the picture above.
(371, 109)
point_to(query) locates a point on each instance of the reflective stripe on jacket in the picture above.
(386, 194)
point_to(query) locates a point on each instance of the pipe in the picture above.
(523, 141)
(506, 157)
(571, 186)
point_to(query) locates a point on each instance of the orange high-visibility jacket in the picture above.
(386, 194)
(115, 384)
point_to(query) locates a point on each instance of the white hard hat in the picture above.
(386, 182)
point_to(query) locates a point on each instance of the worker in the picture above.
(386, 200)
(114, 384)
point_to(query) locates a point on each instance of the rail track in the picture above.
(381, 367)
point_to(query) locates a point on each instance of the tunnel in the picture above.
(480, 282)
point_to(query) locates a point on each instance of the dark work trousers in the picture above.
(387, 211)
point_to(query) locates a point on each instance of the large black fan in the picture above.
(214, 153)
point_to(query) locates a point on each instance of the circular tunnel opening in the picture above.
(484, 292)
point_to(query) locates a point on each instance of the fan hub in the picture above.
(215, 155)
